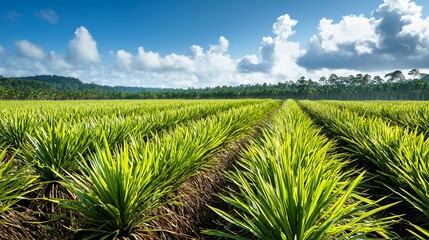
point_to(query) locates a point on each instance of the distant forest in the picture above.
(394, 86)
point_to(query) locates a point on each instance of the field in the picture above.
(214, 169)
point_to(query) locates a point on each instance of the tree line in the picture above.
(393, 86)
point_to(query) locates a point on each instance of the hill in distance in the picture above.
(54, 82)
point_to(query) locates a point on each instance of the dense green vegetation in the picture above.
(394, 86)
(136, 169)
(396, 155)
(294, 186)
(413, 115)
(105, 169)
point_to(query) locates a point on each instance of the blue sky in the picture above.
(195, 43)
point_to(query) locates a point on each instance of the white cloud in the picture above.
(152, 61)
(83, 48)
(48, 15)
(267, 50)
(283, 27)
(57, 62)
(394, 36)
(147, 60)
(286, 55)
(221, 47)
(403, 7)
(199, 68)
(32, 60)
(352, 35)
(197, 61)
(177, 62)
(418, 28)
(278, 54)
(196, 52)
(123, 59)
(28, 49)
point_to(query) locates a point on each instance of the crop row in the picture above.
(397, 157)
(116, 122)
(291, 184)
(413, 115)
(83, 180)
(117, 169)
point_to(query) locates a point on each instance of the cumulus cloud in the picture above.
(83, 48)
(57, 62)
(352, 35)
(124, 59)
(151, 61)
(31, 59)
(197, 68)
(283, 27)
(250, 63)
(286, 65)
(196, 59)
(278, 54)
(28, 49)
(196, 52)
(147, 60)
(394, 36)
(48, 15)
(221, 47)
(24, 65)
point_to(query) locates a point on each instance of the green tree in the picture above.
(323, 80)
(395, 76)
(333, 79)
(415, 73)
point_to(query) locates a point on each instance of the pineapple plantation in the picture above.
(214, 169)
